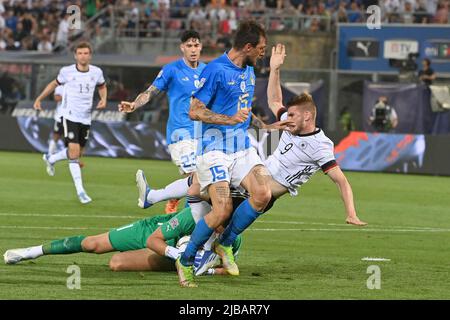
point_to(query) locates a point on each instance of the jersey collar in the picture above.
(309, 134)
(76, 66)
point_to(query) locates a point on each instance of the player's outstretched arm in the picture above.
(274, 93)
(279, 125)
(44, 94)
(199, 112)
(103, 92)
(338, 177)
(142, 99)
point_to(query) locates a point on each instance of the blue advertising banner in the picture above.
(364, 49)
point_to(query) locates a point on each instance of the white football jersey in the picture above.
(298, 157)
(59, 91)
(79, 88)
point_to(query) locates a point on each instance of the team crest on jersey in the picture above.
(197, 84)
(92, 79)
(201, 83)
(71, 135)
(159, 74)
(243, 86)
(252, 81)
(174, 223)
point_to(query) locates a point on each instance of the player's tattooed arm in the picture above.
(257, 122)
(279, 125)
(142, 99)
(199, 112)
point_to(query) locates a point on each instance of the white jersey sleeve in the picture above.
(101, 79)
(62, 77)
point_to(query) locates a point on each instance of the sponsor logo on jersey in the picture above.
(202, 82)
(174, 223)
(243, 86)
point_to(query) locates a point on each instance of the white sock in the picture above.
(172, 252)
(61, 155)
(52, 147)
(33, 252)
(75, 171)
(176, 190)
(199, 208)
(208, 244)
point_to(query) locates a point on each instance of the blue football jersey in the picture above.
(179, 81)
(225, 89)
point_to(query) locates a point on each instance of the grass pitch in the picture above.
(301, 249)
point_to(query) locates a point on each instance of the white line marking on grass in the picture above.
(49, 228)
(67, 215)
(354, 229)
(374, 259)
(385, 228)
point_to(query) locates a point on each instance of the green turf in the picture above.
(300, 250)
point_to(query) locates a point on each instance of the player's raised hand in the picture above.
(355, 221)
(278, 55)
(126, 106)
(240, 116)
(37, 105)
(101, 104)
(281, 125)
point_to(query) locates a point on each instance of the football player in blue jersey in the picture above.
(179, 79)
(223, 104)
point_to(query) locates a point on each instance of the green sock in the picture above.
(64, 246)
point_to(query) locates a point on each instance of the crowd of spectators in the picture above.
(43, 25)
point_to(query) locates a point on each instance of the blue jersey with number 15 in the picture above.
(179, 81)
(225, 89)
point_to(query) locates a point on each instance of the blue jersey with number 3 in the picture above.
(179, 81)
(225, 89)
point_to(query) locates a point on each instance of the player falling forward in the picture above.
(145, 245)
(179, 79)
(79, 80)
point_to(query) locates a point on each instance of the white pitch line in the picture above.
(68, 216)
(354, 229)
(94, 216)
(250, 229)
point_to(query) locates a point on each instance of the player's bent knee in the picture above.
(261, 199)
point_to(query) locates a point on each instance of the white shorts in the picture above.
(183, 154)
(216, 166)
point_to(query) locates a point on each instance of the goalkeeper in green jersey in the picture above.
(146, 245)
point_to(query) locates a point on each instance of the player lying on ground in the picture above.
(135, 241)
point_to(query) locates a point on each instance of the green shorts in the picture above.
(134, 236)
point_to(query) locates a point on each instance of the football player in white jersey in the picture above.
(79, 80)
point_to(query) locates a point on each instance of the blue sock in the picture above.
(242, 218)
(199, 236)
